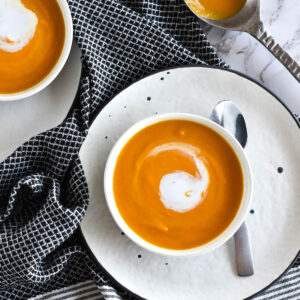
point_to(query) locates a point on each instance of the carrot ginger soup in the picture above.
(216, 9)
(178, 184)
(32, 34)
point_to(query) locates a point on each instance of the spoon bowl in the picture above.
(244, 20)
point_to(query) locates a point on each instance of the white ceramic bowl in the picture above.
(237, 221)
(60, 63)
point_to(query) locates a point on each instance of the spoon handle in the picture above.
(261, 34)
(243, 254)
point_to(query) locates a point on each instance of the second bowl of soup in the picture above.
(35, 42)
(178, 184)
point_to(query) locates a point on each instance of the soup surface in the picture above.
(178, 184)
(216, 9)
(32, 34)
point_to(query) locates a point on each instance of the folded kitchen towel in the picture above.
(43, 191)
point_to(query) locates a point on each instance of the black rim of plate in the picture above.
(112, 279)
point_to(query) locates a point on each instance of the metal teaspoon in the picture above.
(229, 116)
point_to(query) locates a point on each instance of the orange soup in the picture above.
(216, 9)
(178, 184)
(31, 45)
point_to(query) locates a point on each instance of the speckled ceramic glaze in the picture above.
(273, 150)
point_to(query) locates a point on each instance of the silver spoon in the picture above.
(229, 116)
(248, 20)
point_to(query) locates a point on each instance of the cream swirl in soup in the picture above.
(179, 190)
(17, 25)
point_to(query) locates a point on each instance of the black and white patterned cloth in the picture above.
(43, 191)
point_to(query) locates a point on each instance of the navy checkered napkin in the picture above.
(43, 192)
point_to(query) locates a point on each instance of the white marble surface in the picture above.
(243, 53)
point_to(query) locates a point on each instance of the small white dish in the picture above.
(60, 63)
(228, 232)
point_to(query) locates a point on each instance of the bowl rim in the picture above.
(45, 82)
(227, 233)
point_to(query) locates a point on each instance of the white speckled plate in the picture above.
(274, 141)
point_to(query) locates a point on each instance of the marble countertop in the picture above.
(31, 116)
(243, 53)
